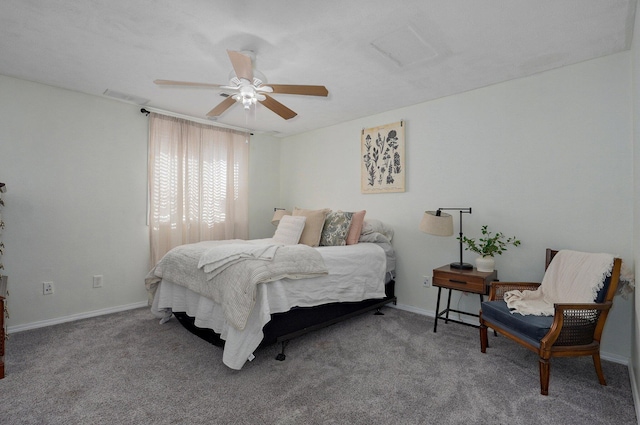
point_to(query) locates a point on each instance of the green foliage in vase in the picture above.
(489, 244)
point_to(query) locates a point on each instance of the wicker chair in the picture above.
(574, 330)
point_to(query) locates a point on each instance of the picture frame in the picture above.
(382, 159)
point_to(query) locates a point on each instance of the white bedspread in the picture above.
(356, 272)
(234, 287)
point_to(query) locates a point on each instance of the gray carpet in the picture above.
(126, 368)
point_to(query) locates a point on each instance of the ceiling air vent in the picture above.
(126, 97)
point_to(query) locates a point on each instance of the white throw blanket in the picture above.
(234, 287)
(215, 260)
(572, 277)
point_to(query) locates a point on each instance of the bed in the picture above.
(336, 284)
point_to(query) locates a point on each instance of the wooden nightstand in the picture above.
(470, 281)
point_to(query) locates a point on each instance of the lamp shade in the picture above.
(277, 215)
(438, 225)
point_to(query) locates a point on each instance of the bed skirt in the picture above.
(299, 320)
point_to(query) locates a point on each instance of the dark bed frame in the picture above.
(298, 321)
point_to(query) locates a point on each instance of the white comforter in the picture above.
(234, 283)
(356, 272)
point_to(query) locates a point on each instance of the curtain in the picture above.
(198, 183)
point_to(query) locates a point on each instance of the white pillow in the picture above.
(289, 230)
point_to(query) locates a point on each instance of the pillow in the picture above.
(289, 230)
(336, 229)
(372, 226)
(374, 237)
(356, 227)
(313, 226)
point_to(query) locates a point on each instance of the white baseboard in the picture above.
(615, 358)
(635, 391)
(74, 317)
(412, 309)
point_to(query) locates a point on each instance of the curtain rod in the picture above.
(148, 110)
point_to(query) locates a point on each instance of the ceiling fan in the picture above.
(248, 87)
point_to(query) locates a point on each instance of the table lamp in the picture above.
(278, 213)
(441, 224)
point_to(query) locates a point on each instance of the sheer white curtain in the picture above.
(198, 183)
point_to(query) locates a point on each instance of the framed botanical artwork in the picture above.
(382, 159)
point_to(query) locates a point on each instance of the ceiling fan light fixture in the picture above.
(248, 94)
(247, 99)
(247, 102)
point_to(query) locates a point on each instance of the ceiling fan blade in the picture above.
(221, 107)
(264, 89)
(186, 83)
(241, 65)
(278, 107)
(297, 89)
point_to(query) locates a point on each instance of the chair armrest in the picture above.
(576, 324)
(498, 289)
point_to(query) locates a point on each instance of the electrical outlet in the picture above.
(426, 281)
(47, 288)
(97, 281)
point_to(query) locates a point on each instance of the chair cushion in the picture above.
(602, 293)
(532, 328)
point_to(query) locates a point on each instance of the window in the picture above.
(198, 183)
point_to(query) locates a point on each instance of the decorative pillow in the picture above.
(313, 226)
(336, 229)
(289, 230)
(356, 227)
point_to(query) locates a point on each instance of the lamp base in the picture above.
(461, 266)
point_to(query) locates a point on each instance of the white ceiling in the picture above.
(436, 48)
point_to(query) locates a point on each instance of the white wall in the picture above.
(76, 171)
(546, 158)
(264, 186)
(635, 340)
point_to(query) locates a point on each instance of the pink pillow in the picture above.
(356, 227)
